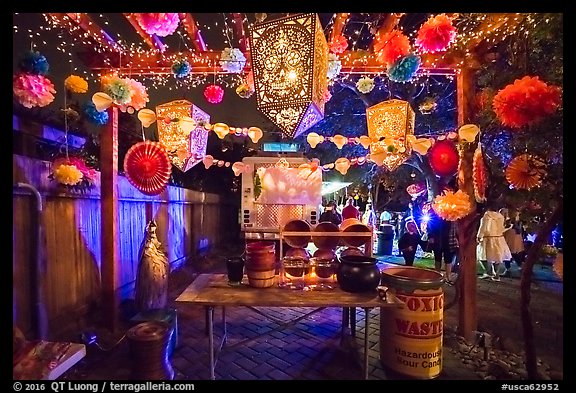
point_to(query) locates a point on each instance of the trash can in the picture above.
(385, 239)
(411, 335)
(166, 315)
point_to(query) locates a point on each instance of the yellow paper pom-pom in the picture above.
(68, 175)
(76, 84)
(452, 206)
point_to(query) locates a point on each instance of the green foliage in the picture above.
(538, 53)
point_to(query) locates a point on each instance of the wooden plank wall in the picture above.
(71, 251)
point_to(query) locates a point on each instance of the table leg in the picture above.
(366, 334)
(210, 311)
(206, 312)
(345, 320)
(225, 337)
(353, 321)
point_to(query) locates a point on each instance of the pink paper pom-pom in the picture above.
(161, 24)
(214, 94)
(33, 90)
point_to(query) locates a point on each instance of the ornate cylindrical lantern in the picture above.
(185, 142)
(290, 62)
(389, 124)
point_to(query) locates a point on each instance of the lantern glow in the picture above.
(290, 61)
(390, 123)
(184, 142)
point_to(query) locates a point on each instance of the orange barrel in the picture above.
(326, 242)
(260, 265)
(354, 225)
(149, 342)
(297, 226)
(411, 336)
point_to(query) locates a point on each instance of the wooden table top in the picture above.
(213, 290)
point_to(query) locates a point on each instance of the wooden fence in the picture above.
(187, 220)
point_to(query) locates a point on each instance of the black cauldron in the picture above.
(358, 273)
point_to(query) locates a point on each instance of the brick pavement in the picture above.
(312, 350)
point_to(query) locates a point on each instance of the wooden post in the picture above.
(110, 262)
(467, 226)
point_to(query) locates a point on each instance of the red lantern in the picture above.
(444, 157)
(214, 94)
(148, 167)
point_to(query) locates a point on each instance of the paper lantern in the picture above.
(525, 171)
(147, 167)
(468, 132)
(342, 165)
(146, 117)
(314, 139)
(365, 141)
(444, 158)
(290, 63)
(102, 101)
(389, 125)
(221, 130)
(339, 141)
(182, 131)
(255, 133)
(208, 161)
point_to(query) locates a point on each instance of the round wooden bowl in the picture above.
(329, 242)
(296, 226)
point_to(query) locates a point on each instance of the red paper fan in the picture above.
(444, 158)
(479, 175)
(147, 167)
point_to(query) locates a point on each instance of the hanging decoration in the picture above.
(428, 105)
(214, 94)
(526, 101)
(76, 84)
(436, 34)
(34, 63)
(334, 66)
(93, 115)
(365, 85)
(444, 158)
(33, 90)
(389, 125)
(73, 173)
(181, 68)
(479, 175)
(290, 64)
(405, 68)
(138, 96)
(342, 165)
(468, 132)
(161, 24)
(415, 190)
(147, 167)
(147, 117)
(525, 172)
(182, 132)
(452, 206)
(390, 47)
(338, 44)
(117, 88)
(232, 60)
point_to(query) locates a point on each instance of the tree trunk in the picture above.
(525, 282)
(467, 229)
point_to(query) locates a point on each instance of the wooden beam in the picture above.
(390, 22)
(339, 24)
(191, 27)
(352, 62)
(491, 25)
(151, 40)
(238, 22)
(109, 232)
(86, 23)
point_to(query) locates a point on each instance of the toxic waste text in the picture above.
(412, 324)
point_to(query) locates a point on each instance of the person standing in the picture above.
(350, 211)
(514, 236)
(443, 240)
(331, 214)
(369, 217)
(385, 217)
(408, 243)
(493, 249)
